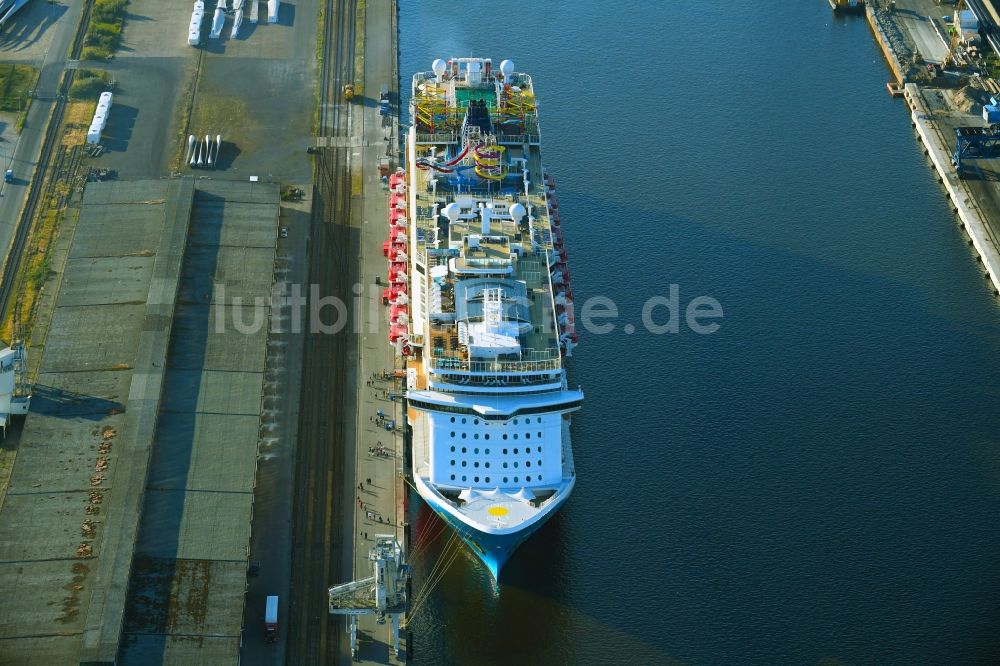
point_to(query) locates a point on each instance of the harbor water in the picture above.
(819, 480)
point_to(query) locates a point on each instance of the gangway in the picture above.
(383, 594)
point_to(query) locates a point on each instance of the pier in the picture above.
(944, 98)
(380, 459)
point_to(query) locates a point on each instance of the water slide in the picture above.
(447, 167)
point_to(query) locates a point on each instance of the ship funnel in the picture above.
(439, 66)
(506, 68)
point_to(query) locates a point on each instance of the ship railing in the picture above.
(437, 137)
(537, 360)
(518, 139)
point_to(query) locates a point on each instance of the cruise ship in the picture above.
(481, 308)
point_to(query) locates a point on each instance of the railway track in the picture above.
(324, 464)
(49, 142)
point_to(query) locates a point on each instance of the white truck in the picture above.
(271, 620)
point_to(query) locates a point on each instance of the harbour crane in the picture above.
(382, 594)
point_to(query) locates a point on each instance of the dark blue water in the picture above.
(819, 480)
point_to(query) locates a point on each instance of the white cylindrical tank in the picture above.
(237, 22)
(217, 21)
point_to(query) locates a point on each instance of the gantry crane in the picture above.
(382, 594)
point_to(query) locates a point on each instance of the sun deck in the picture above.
(482, 179)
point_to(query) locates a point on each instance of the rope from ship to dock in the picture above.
(427, 535)
(447, 557)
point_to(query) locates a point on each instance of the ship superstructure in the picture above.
(481, 307)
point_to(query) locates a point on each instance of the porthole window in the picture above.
(505, 451)
(539, 434)
(475, 421)
(505, 479)
(487, 465)
(476, 479)
(487, 452)
(505, 465)
(539, 463)
(515, 421)
(486, 436)
(463, 419)
(453, 419)
(515, 452)
(515, 465)
(528, 479)
(527, 463)
(463, 435)
(515, 479)
(452, 477)
(464, 463)
(463, 477)
(528, 450)
(475, 464)
(452, 449)
(452, 433)
(487, 479)
(463, 449)
(505, 436)
(476, 450)
(515, 435)
(452, 463)
(475, 436)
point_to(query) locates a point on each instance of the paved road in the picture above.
(927, 41)
(382, 510)
(271, 536)
(29, 144)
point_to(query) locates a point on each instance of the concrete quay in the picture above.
(380, 487)
(912, 39)
(971, 211)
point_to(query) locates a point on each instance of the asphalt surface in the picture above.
(382, 509)
(271, 532)
(925, 37)
(324, 459)
(24, 157)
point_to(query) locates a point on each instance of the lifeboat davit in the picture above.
(398, 177)
(397, 332)
(397, 311)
